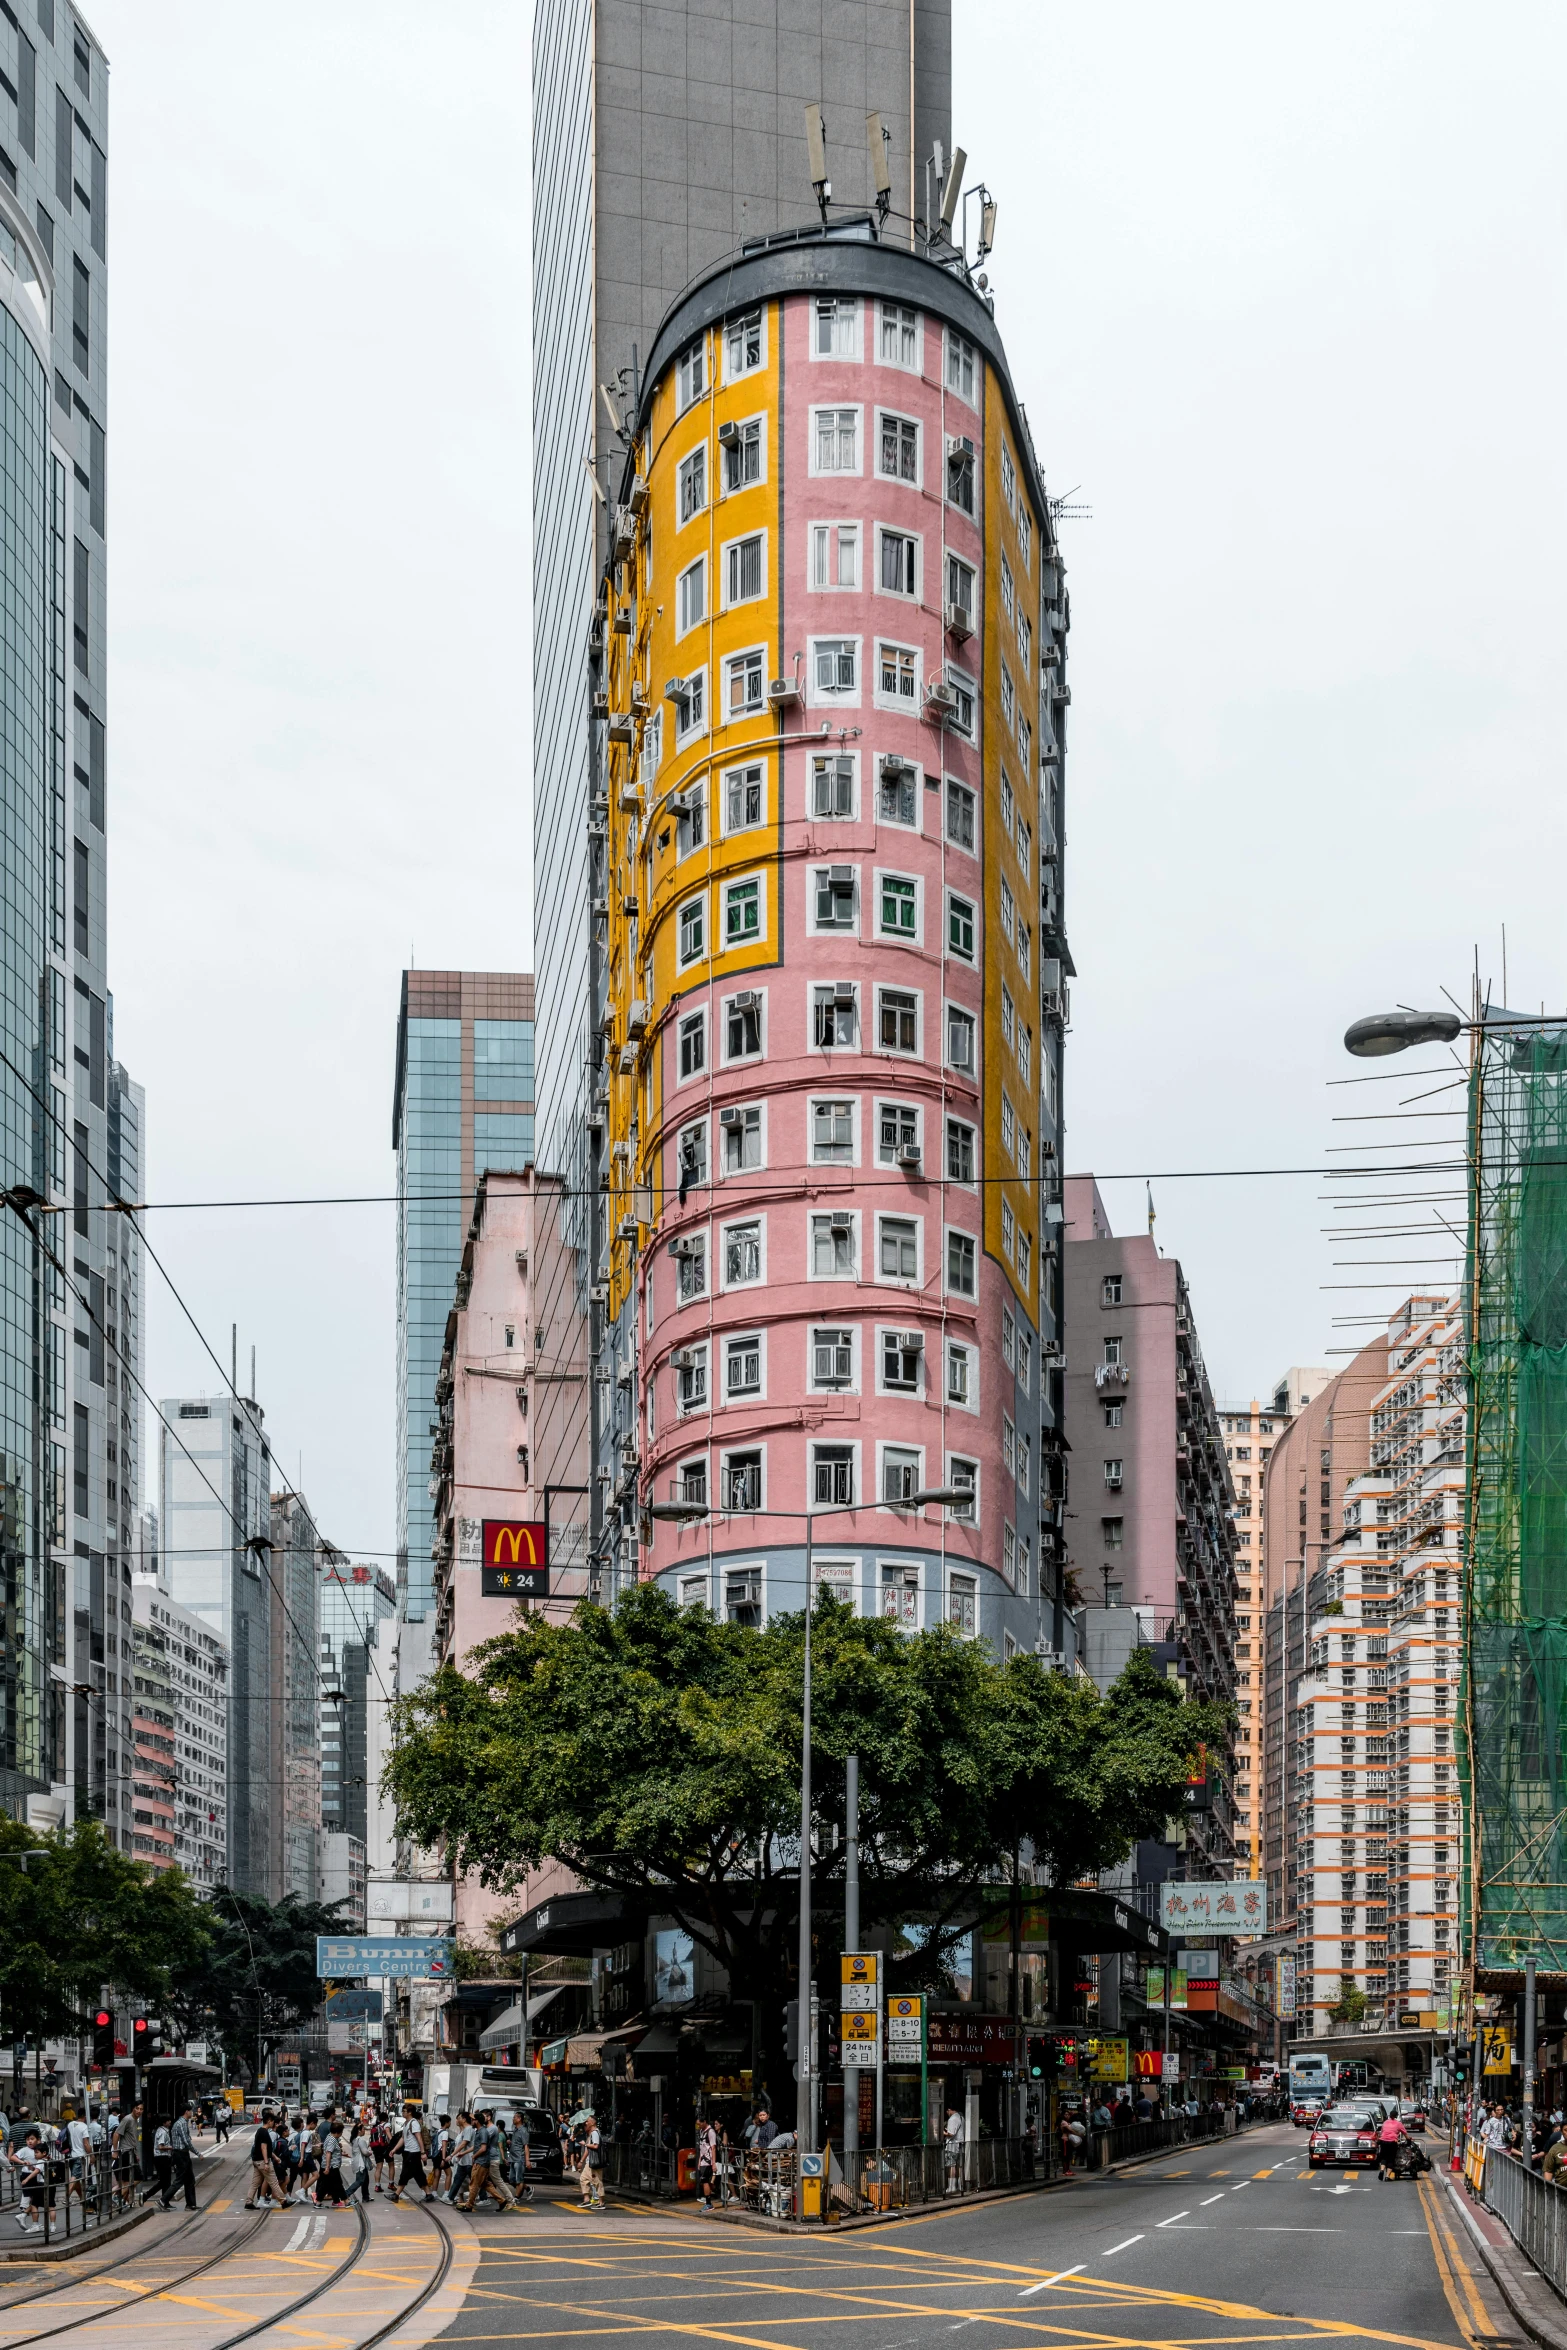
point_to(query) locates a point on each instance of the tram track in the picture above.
(90, 2275)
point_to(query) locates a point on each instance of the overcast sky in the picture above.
(1283, 293)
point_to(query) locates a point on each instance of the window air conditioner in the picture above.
(912, 1341)
(843, 991)
(621, 1153)
(841, 1220)
(630, 907)
(637, 1020)
(678, 691)
(687, 802)
(894, 764)
(622, 620)
(960, 621)
(747, 1000)
(626, 1229)
(782, 693)
(638, 695)
(729, 434)
(841, 876)
(622, 728)
(684, 1358)
(961, 446)
(636, 496)
(625, 533)
(686, 1245)
(626, 1062)
(601, 705)
(940, 697)
(601, 909)
(909, 1155)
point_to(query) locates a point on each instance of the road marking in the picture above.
(1244, 2183)
(1174, 2216)
(1122, 2247)
(1055, 2280)
(297, 2239)
(1207, 2199)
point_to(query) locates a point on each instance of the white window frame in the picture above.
(810, 1016)
(834, 1444)
(902, 1110)
(963, 683)
(949, 1233)
(900, 938)
(959, 357)
(693, 456)
(897, 1052)
(693, 1590)
(740, 1224)
(683, 1022)
(907, 705)
(701, 1126)
(914, 1394)
(725, 1173)
(971, 1356)
(742, 768)
(718, 1503)
(815, 927)
(816, 1215)
(846, 344)
(744, 655)
(950, 784)
(685, 619)
(839, 1576)
(838, 409)
(697, 1297)
(901, 312)
(731, 883)
(687, 392)
(907, 1281)
(836, 697)
(966, 573)
(957, 1517)
(729, 1060)
(900, 480)
(904, 1580)
(837, 529)
(909, 538)
(692, 906)
(738, 374)
(695, 1409)
(725, 1339)
(957, 898)
(949, 1011)
(849, 815)
(913, 778)
(968, 1182)
(738, 489)
(911, 1457)
(849, 1386)
(728, 551)
(818, 1101)
(691, 714)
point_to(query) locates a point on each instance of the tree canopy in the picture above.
(76, 1914)
(656, 1752)
(257, 1975)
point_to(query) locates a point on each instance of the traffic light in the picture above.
(103, 2040)
(1039, 2053)
(146, 2039)
(792, 2031)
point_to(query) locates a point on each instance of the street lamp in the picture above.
(687, 1513)
(1395, 1032)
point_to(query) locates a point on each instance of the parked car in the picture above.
(1345, 2134)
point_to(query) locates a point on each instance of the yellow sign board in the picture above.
(906, 2007)
(1107, 2060)
(859, 2023)
(1497, 2044)
(859, 1966)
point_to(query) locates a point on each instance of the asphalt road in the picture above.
(1239, 2243)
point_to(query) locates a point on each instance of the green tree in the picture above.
(657, 1752)
(1351, 2003)
(257, 1977)
(77, 1916)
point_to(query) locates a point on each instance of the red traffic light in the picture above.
(102, 2018)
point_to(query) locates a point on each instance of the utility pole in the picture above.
(1528, 2061)
(851, 1941)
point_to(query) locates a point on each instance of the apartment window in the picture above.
(897, 1020)
(962, 716)
(744, 571)
(742, 456)
(741, 1129)
(898, 1248)
(1008, 597)
(1025, 639)
(960, 815)
(1008, 1338)
(1025, 845)
(1025, 1258)
(1008, 911)
(900, 1593)
(742, 912)
(1025, 535)
(691, 706)
(898, 675)
(691, 1267)
(1008, 1018)
(744, 806)
(1115, 1474)
(742, 1476)
(693, 930)
(837, 440)
(1008, 1445)
(745, 685)
(743, 1026)
(1025, 1563)
(898, 449)
(837, 327)
(836, 665)
(1025, 1151)
(896, 788)
(963, 1604)
(900, 1473)
(899, 563)
(1008, 481)
(960, 1375)
(899, 907)
(832, 1247)
(897, 1129)
(651, 756)
(1008, 1231)
(833, 1014)
(961, 1275)
(692, 480)
(1113, 1531)
(691, 374)
(1008, 1128)
(960, 1039)
(960, 1151)
(742, 1253)
(743, 344)
(960, 588)
(81, 299)
(960, 476)
(902, 1352)
(1113, 1414)
(960, 926)
(691, 1378)
(898, 344)
(960, 366)
(835, 885)
(832, 1474)
(832, 1358)
(1024, 944)
(693, 1588)
(832, 1133)
(1025, 1051)
(693, 1153)
(693, 1043)
(743, 1365)
(1110, 1290)
(832, 785)
(1008, 698)
(691, 594)
(1112, 1352)
(835, 554)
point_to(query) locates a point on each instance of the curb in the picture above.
(1537, 2308)
(72, 2247)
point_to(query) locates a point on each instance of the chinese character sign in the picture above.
(1214, 1909)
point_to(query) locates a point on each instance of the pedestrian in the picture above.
(1074, 2135)
(952, 2151)
(76, 2146)
(356, 2167)
(766, 2128)
(383, 2144)
(163, 2165)
(182, 2143)
(414, 2147)
(461, 2158)
(265, 2193)
(32, 2180)
(306, 2157)
(1555, 2155)
(222, 2119)
(330, 2189)
(706, 2166)
(1144, 2106)
(486, 2176)
(1389, 2138)
(593, 2165)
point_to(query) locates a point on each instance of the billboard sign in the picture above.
(347, 2039)
(1219, 1908)
(354, 2007)
(370, 1954)
(514, 1564)
(409, 1901)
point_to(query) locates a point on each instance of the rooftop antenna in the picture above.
(954, 188)
(233, 1358)
(816, 154)
(252, 1374)
(879, 140)
(936, 161)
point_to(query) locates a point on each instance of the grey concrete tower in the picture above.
(67, 1410)
(664, 136)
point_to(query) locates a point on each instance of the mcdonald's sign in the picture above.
(514, 1563)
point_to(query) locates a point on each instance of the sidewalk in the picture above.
(1530, 2299)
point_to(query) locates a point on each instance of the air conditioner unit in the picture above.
(686, 1245)
(909, 1155)
(626, 1229)
(782, 693)
(622, 620)
(621, 1153)
(730, 1117)
(843, 991)
(678, 691)
(625, 533)
(630, 907)
(960, 445)
(960, 621)
(729, 434)
(636, 496)
(841, 876)
(638, 696)
(598, 1295)
(629, 798)
(940, 698)
(622, 728)
(637, 1020)
(841, 1220)
(894, 764)
(601, 705)
(626, 1061)
(601, 909)
(747, 1000)
(912, 1342)
(687, 802)
(684, 1358)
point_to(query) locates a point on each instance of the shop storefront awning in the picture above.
(506, 2031)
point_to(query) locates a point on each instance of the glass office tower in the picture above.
(462, 1101)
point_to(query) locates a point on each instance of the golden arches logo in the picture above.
(510, 1542)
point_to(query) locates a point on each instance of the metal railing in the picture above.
(1533, 2212)
(63, 2203)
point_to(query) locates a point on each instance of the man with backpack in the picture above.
(487, 2179)
(414, 2147)
(265, 2192)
